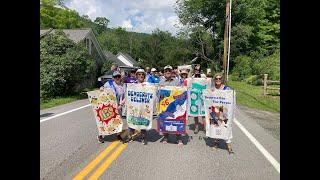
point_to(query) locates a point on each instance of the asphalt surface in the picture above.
(68, 144)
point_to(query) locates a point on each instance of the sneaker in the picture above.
(144, 141)
(165, 140)
(180, 144)
(100, 138)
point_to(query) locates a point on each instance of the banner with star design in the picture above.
(172, 110)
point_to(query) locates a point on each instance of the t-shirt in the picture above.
(119, 89)
(171, 82)
(130, 80)
(153, 79)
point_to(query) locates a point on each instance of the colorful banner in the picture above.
(104, 105)
(140, 102)
(219, 107)
(172, 110)
(196, 87)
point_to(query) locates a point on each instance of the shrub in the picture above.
(63, 65)
(243, 67)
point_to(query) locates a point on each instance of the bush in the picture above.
(63, 66)
(243, 67)
(254, 80)
(269, 65)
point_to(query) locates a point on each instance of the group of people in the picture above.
(169, 77)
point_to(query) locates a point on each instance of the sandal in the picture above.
(180, 144)
(230, 149)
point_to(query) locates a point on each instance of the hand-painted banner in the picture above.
(104, 105)
(195, 100)
(139, 102)
(219, 107)
(172, 110)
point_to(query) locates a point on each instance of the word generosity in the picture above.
(140, 97)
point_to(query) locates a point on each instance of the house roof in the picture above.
(76, 35)
(128, 57)
(109, 54)
(113, 58)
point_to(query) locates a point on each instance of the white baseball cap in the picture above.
(168, 67)
(153, 69)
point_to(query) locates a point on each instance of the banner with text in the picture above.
(219, 107)
(140, 100)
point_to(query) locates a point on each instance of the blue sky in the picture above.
(134, 15)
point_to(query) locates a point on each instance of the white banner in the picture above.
(219, 112)
(140, 100)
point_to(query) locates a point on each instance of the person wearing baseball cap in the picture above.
(153, 78)
(119, 88)
(169, 80)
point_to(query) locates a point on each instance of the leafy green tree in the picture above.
(63, 65)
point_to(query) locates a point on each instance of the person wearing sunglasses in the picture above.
(119, 89)
(219, 85)
(169, 80)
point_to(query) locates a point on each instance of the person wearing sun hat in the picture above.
(183, 77)
(141, 76)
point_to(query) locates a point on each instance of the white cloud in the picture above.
(127, 24)
(140, 15)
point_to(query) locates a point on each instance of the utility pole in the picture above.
(229, 38)
(226, 28)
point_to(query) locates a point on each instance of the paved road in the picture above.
(68, 145)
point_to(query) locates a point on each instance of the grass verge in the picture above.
(49, 103)
(252, 97)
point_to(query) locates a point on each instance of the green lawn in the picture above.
(252, 97)
(44, 104)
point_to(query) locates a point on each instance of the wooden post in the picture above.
(265, 84)
(226, 39)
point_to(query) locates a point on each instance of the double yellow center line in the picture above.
(104, 165)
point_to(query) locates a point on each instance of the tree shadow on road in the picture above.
(153, 135)
(110, 138)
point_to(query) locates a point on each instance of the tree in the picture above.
(63, 65)
(101, 23)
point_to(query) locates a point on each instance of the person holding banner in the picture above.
(198, 74)
(219, 85)
(141, 76)
(169, 80)
(119, 89)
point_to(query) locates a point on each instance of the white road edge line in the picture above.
(61, 114)
(269, 157)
